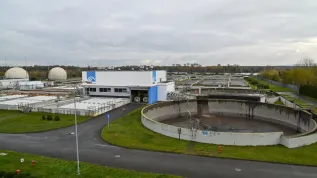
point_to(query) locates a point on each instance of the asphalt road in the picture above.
(93, 149)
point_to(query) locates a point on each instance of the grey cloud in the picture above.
(209, 32)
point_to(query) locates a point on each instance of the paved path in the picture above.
(60, 144)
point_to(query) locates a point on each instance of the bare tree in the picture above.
(306, 62)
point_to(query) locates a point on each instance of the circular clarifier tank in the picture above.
(227, 123)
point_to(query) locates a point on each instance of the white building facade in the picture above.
(148, 86)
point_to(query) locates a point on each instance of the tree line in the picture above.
(41, 72)
(303, 73)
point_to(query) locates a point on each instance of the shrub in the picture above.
(49, 117)
(43, 117)
(57, 118)
(308, 90)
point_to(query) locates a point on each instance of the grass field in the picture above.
(252, 86)
(129, 132)
(301, 103)
(16, 122)
(53, 168)
(309, 98)
(272, 87)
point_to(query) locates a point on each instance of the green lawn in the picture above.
(17, 122)
(301, 103)
(129, 132)
(271, 86)
(6, 113)
(309, 98)
(297, 101)
(252, 86)
(52, 168)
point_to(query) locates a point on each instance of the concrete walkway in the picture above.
(294, 95)
(60, 144)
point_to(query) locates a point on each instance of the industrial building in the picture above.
(139, 86)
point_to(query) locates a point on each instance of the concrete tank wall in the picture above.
(151, 116)
(171, 109)
(272, 100)
(222, 138)
(295, 119)
(294, 142)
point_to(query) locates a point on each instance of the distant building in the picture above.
(140, 86)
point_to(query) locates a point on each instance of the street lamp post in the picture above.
(76, 132)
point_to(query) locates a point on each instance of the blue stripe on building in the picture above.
(154, 76)
(152, 94)
(91, 76)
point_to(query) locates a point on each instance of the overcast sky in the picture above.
(159, 32)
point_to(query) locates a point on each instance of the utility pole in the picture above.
(77, 150)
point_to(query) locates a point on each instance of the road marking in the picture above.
(117, 156)
(237, 169)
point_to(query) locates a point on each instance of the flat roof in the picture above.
(100, 85)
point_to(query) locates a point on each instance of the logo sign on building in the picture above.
(91, 76)
(154, 77)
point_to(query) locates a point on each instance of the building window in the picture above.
(92, 89)
(120, 90)
(104, 89)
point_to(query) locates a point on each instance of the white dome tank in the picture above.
(16, 73)
(57, 73)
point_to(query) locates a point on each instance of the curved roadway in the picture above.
(60, 144)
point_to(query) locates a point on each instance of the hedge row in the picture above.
(256, 83)
(308, 90)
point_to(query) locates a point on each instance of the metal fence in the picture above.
(90, 111)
